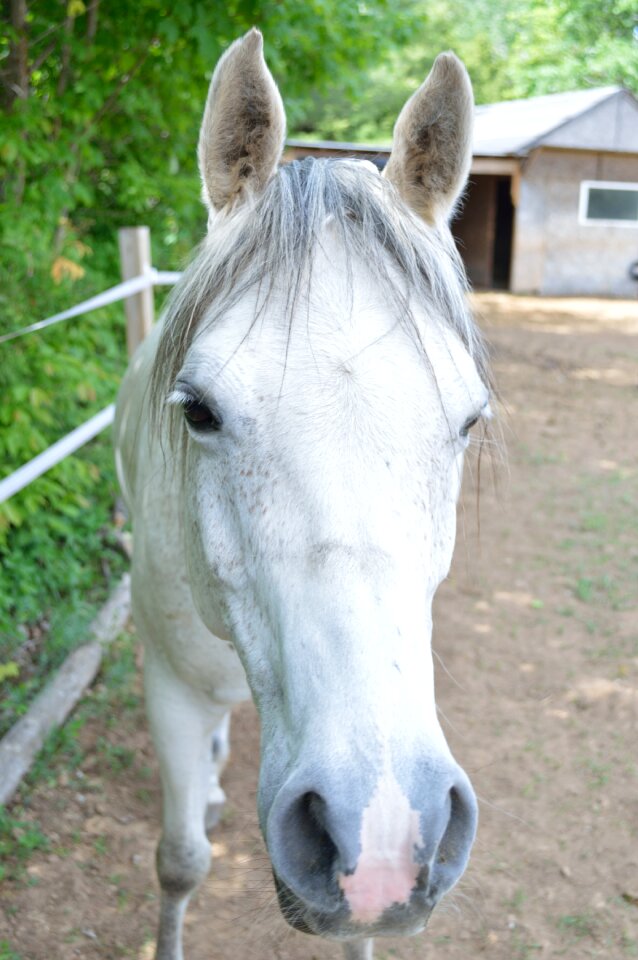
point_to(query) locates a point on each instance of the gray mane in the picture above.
(271, 246)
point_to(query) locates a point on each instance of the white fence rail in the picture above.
(136, 291)
(154, 278)
(30, 471)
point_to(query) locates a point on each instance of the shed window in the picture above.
(603, 202)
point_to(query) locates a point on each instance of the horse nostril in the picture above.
(307, 852)
(315, 807)
(454, 848)
(311, 816)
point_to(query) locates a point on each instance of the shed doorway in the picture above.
(483, 231)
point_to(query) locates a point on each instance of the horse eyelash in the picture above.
(484, 415)
(180, 398)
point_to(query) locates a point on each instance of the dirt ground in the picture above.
(536, 632)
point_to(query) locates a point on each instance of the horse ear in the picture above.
(432, 145)
(244, 125)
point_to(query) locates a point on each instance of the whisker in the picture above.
(449, 723)
(450, 675)
(506, 813)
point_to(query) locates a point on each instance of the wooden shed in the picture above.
(552, 203)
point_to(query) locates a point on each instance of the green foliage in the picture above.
(10, 669)
(57, 566)
(108, 129)
(511, 49)
(50, 383)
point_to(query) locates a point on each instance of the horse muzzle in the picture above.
(397, 920)
(346, 868)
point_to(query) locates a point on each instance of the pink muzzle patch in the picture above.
(386, 872)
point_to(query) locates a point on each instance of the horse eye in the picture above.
(201, 417)
(467, 426)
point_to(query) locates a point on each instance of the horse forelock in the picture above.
(269, 245)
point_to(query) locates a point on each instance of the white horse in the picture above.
(290, 443)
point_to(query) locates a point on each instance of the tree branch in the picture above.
(37, 63)
(65, 69)
(91, 19)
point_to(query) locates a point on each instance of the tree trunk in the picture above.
(15, 76)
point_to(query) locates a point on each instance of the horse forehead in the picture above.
(346, 332)
(355, 351)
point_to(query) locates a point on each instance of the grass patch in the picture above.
(62, 746)
(599, 555)
(19, 839)
(594, 522)
(598, 773)
(116, 756)
(579, 925)
(516, 901)
(65, 751)
(523, 949)
(114, 695)
(6, 953)
(584, 589)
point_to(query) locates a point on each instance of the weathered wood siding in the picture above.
(554, 254)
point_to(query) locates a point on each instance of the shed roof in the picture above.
(604, 118)
(514, 127)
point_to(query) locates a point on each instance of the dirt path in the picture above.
(537, 629)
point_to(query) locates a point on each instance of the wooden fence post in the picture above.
(135, 258)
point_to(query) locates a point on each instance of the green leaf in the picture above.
(9, 670)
